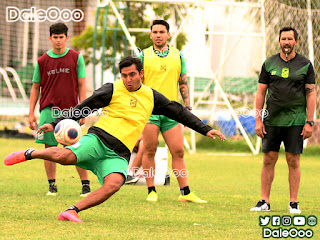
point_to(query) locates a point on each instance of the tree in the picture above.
(138, 13)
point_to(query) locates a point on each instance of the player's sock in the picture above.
(53, 190)
(150, 189)
(85, 182)
(73, 207)
(28, 153)
(185, 190)
(52, 181)
(85, 188)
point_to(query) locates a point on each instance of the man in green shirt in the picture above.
(290, 81)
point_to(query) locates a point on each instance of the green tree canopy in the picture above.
(138, 18)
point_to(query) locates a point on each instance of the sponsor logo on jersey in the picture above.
(285, 72)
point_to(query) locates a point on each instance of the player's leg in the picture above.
(50, 168)
(172, 133)
(294, 147)
(112, 184)
(54, 154)
(110, 168)
(293, 161)
(270, 147)
(136, 164)
(48, 139)
(83, 174)
(267, 174)
(150, 144)
(137, 161)
(175, 142)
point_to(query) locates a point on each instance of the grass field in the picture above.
(231, 184)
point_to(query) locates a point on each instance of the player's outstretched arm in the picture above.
(175, 111)
(100, 98)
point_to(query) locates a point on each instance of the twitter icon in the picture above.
(264, 221)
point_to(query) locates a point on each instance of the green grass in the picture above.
(230, 184)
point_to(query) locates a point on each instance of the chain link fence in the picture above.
(22, 42)
(294, 13)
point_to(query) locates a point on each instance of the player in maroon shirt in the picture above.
(60, 77)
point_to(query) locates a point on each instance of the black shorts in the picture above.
(291, 137)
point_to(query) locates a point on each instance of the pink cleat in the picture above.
(17, 157)
(70, 215)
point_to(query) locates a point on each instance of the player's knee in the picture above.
(269, 161)
(293, 163)
(113, 186)
(179, 153)
(150, 150)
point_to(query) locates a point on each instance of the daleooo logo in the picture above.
(52, 14)
(284, 233)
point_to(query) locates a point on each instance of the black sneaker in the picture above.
(53, 190)
(85, 190)
(294, 208)
(167, 180)
(131, 179)
(261, 206)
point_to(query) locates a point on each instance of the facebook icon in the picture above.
(276, 221)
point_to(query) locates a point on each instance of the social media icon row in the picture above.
(288, 220)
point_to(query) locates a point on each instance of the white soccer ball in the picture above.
(67, 132)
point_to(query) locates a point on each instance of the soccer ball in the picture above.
(67, 132)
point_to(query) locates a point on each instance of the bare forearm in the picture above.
(184, 89)
(311, 101)
(259, 105)
(81, 89)
(33, 99)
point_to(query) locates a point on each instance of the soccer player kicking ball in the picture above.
(105, 150)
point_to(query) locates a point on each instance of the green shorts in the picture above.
(46, 116)
(93, 155)
(163, 122)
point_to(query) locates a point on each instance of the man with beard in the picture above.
(126, 105)
(165, 71)
(290, 80)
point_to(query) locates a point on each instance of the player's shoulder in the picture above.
(273, 58)
(175, 52)
(302, 58)
(71, 51)
(272, 61)
(147, 50)
(43, 57)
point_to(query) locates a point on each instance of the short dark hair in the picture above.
(161, 22)
(128, 61)
(58, 28)
(287, 29)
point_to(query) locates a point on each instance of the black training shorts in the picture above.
(291, 137)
